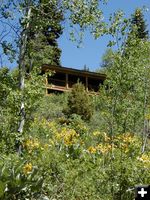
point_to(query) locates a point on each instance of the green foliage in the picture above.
(51, 107)
(58, 162)
(79, 102)
(126, 89)
(11, 97)
(45, 26)
(85, 14)
(138, 23)
(125, 96)
(65, 158)
(14, 182)
(76, 122)
(8, 83)
(45, 29)
(8, 50)
(137, 31)
(107, 59)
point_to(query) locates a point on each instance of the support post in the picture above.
(46, 84)
(86, 83)
(67, 81)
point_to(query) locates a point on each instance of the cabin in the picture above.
(64, 78)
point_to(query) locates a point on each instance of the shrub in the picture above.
(79, 102)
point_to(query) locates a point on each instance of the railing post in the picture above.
(46, 84)
(86, 83)
(66, 81)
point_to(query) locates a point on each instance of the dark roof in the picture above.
(75, 71)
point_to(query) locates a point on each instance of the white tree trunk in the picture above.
(22, 68)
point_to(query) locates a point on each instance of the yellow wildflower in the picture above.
(106, 138)
(69, 136)
(27, 168)
(92, 149)
(103, 148)
(144, 158)
(46, 146)
(147, 117)
(51, 141)
(58, 135)
(96, 133)
(36, 144)
(81, 142)
(126, 138)
(68, 142)
(31, 144)
(125, 147)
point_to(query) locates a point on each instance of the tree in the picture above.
(79, 102)
(80, 14)
(124, 97)
(136, 32)
(45, 29)
(107, 61)
(127, 80)
(139, 24)
(86, 68)
(107, 58)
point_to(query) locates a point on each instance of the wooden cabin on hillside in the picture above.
(64, 78)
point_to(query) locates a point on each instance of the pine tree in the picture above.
(107, 58)
(42, 41)
(136, 33)
(139, 24)
(79, 102)
(36, 24)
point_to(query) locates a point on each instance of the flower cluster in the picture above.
(145, 159)
(96, 133)
(125, 141)
(92, 150)
(32, 144)
(102, 134)
(69, 136)
(44, 123)
(27, 168)
(101, 148)
(106, 138)
(81, 128)
(125, 138)
(147, 117)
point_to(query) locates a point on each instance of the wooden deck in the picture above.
(64, 78)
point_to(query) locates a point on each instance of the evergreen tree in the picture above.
(139, 25)
(79, 102)
(34, 25)
(107, 58)
(42, 41)
(107, 61)
(137, 32)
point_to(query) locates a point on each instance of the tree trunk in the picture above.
(22, 71)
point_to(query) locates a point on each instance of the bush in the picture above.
(60, 163)
(51, 107)
(79, 102)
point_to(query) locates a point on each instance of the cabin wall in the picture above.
(63, 81)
